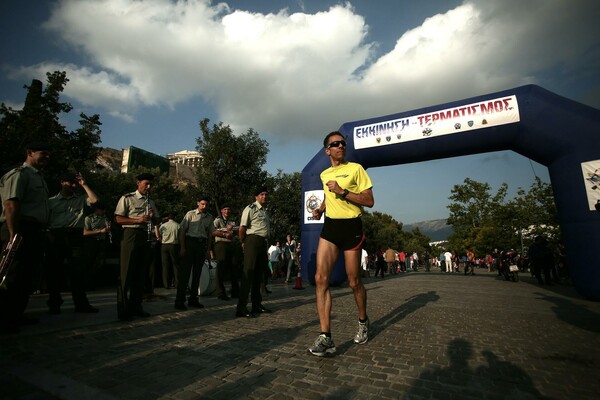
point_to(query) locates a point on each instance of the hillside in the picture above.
(436, 229)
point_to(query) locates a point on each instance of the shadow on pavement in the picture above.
(185, 365)
(574, 314)
(498, 379)
(412, 304)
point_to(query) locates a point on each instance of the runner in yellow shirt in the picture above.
(347, 189)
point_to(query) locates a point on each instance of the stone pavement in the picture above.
(433, 336)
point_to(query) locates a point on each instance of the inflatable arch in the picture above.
(554, 131)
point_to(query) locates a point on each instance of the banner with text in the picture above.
(500, 111)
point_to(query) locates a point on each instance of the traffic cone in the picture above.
(298, 280)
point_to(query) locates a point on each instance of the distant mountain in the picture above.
(436, 229)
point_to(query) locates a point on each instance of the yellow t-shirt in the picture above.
(351, 176)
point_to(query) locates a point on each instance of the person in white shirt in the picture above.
(448, 261)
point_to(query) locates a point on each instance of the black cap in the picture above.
(145, 177)
(67, 177)
(260, 189)
(225, 205)
(37, 146)
(202, 198)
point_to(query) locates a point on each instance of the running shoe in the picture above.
(363, 333)
(323, 345)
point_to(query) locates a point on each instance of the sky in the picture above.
(294, 70)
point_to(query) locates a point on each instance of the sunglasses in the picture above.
(337, 143)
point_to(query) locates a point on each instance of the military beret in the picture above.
(37, 146)
(202, 198)
(145, 177)
(67, 177)
(260, 190)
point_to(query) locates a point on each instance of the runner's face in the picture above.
(338, 152)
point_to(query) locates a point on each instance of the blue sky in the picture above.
(295, 70)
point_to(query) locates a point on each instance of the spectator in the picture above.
(169, 251)
(290, 256)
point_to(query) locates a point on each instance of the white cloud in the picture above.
(295, 74)
(89, 88)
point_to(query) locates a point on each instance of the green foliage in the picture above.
(383, 231)
(231, 165)
(284, 199)
(416, 241)
(231, 170)
(483, 221)
(38, 121)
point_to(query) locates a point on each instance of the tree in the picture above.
(417, 242)
(485, 222)
(381, 230)
(231, 166)
(472, 215)
(38, 121)
(285, 193)
(535, 212)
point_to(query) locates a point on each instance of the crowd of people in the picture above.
(51, 243)
(546, 264)
(54, 238)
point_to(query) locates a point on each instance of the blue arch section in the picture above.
(554, 131)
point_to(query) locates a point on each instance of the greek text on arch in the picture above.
(477, 109)
(382, 128)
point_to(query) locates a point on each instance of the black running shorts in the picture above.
(346, 234)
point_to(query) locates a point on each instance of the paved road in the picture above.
(433, 336)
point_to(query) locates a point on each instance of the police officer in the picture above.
(136, 212)
(25, 213)
(224, 234)
(254, 232)
(66, 242)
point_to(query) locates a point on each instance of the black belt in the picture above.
(258, 236)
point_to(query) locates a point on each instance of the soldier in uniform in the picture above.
(136, 212)
(66, 242)
(224, 234)
(196, 228)
(25, 214)
(254, 233)
(96, 234)
(169, 250)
